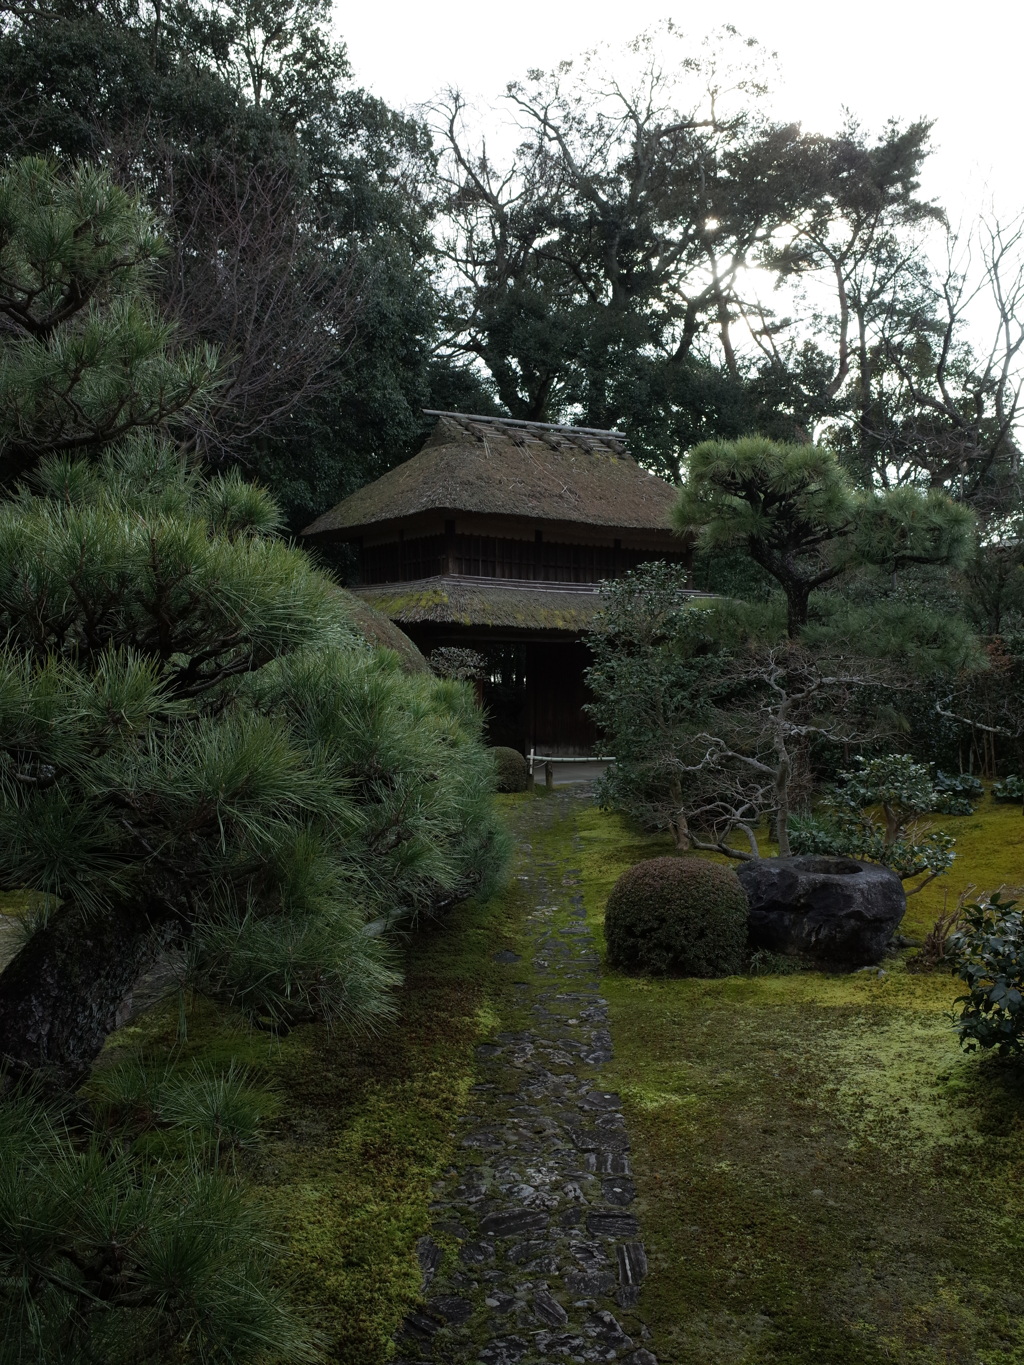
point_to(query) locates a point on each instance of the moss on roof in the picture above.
(378, 630)
(495, 467)
(471, 602)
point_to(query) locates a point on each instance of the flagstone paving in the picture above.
(547, 1259)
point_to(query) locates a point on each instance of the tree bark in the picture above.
(69, 987)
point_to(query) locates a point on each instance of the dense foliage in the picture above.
(195, 748)
(677, 916)
(718, 711)
(987, 953)
(900, 791)
(202, 767)
(296, 214)
(109, 1254)
(512, 770)
(603, 271)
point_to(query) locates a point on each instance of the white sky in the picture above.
(961, 64)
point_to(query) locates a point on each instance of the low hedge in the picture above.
(677, 916)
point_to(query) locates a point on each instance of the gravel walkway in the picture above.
(549, 1261)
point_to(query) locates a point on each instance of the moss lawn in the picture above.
(824, 1179)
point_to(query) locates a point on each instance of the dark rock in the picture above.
(641, 1357)
(526, 1251)
(836, 911)
(504, 1351)
(609, 1163)
(602, 1099)
(619, 1191)
(589, 1254)
(606, 1327)
(612, 1224)
(591, 1285)
(428, 1253)
(632, 1260)
(548, 1309)
(506, 956)
(420, 1326)
(514, 1222)
(451, 1309)
(561, 1345)
(476, 1253)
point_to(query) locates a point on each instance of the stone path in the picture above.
(548, 1259)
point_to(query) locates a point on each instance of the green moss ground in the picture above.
(823, 1178)
(364, 1124)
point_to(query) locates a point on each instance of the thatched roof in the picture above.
(378, 630)
(464, 601)
(508, 603)
(499, 467)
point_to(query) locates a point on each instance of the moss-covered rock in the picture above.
(512, 772)
(682, 916)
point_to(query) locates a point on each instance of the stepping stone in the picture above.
(505, 1351)
(428, 1253)
(514, 1222)
(612, 1224)
(602, 1099)
(632, 1262)
(617, 1191)
(452, 1310)
(548, 1309)
(538, 1196)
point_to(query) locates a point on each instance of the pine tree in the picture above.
(194, 747)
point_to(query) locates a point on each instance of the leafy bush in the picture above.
(685, 916)
(956, 794)
(513, 773)
(988, 954)
(1010, 789)
(959, 784)
(460, 665)
(849, 828)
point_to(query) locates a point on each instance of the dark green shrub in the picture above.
(108, 1256)
(684, 916)
(1010, 789)
(988, 954)
(512, 772)
(956, 793)
(872, 814)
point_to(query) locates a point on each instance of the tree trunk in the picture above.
(798, 595)
(69, 987)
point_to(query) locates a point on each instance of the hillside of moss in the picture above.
(823, 1177)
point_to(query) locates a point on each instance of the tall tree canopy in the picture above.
(296, 209)
(659, 253)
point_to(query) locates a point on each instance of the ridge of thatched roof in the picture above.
(457, 600)
(497, 466)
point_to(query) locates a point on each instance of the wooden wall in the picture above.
(494, 557)
(536, 697)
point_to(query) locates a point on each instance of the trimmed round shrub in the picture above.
(679, 916)
(512, 772)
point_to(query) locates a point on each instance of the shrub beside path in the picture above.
(535, 1254)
